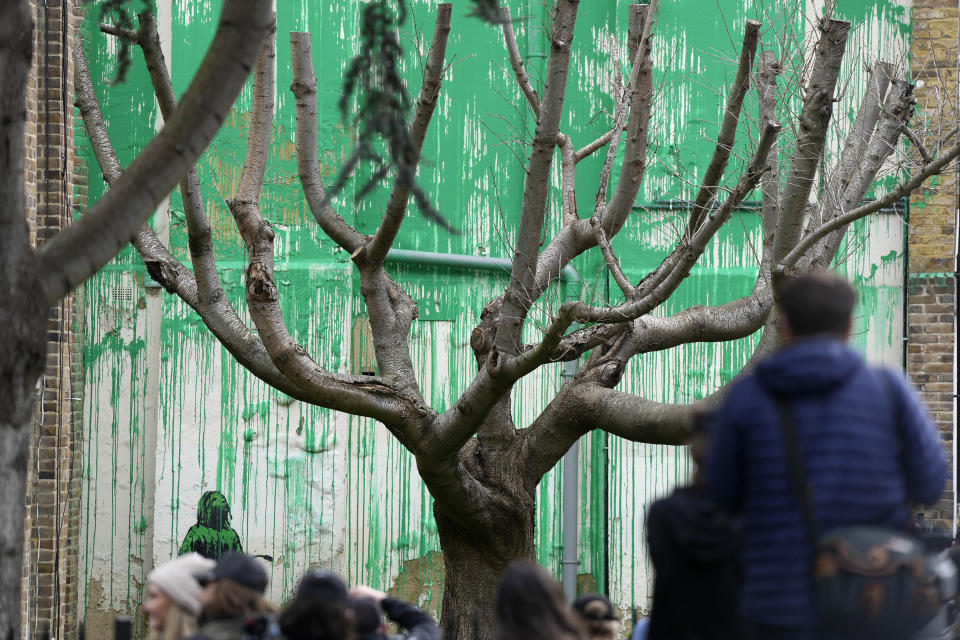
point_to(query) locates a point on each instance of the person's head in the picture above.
(234, 588)
(596, 616)
(213, 510)
(173, 597)
(320, 609)
(819, 303)
(368, 616)
(530, 606)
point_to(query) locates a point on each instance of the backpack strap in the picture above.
(798, 477)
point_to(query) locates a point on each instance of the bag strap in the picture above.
(798, 478)
(801, 487)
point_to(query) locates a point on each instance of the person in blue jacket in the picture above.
(868, 445)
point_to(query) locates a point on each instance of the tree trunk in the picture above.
(23, 321)
(473, 560)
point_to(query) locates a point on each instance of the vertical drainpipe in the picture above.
(571, 474)
(572, 285)
(956, 291)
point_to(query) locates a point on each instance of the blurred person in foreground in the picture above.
(694, 549)
(598, 621)
(867, 445)
(173, 597)
(320, 609)
(234, 607)
(530, 606)
(369, 605)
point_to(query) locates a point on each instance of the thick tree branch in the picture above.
(730, 321)
(591, 147)
(213, 305)
(16, 45)
(728, 127)
(304, 88)
(162, 266)
(517, 62)
(768, 69)
(426, 103)
(577, 237)
(360, 395)
(245, 205)
(568, 179)
(554, 431)
(635, 418)
(520, 293)
(858, 140)
(897, 111)
(465, 499)
(845, 219)
(391, 312)
(686, 254)
(639, 98)
(214, 309)
(634, 307)
(814, 120)
(454, 427)
(130, 36)
(696, 324)
(599, 406)
(690, 252)
(633, 94)
(80, 250)
(584, 405)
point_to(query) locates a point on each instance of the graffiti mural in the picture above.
(185, 451)
(212, 536)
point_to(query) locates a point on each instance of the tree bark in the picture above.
(22, 309)
(23, 316)
(475, 558)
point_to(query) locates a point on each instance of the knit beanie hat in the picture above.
(176, 579)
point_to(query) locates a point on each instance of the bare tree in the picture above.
(481, 469)
(33, 279)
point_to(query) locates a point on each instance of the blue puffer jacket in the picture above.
(866, 454)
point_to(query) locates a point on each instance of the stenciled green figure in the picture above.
(212, 535)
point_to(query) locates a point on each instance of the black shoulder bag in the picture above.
(870, 580)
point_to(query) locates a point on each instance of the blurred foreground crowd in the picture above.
(195, 598)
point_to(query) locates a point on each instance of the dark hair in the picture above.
(233, 600)
(316, 619)
(530, 606)
(596, 616)
(817, 303)
(367, 614)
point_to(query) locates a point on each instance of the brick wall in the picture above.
(53, 494)
(931, 294)
(930, 362)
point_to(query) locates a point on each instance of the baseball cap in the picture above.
(594, 606)
(239, 568)
(322, 584)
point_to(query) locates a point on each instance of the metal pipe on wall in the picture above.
(956, 291)
(572, 286)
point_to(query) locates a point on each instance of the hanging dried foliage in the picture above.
(374, 79)
(120, 14)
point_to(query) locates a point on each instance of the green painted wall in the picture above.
(307, 486)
